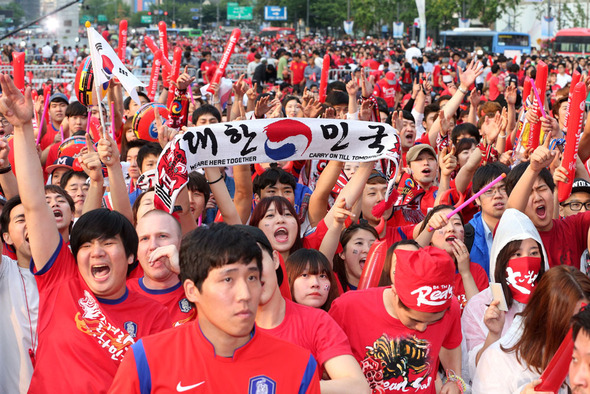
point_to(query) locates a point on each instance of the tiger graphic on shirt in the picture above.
(398, 364)
(92, 321)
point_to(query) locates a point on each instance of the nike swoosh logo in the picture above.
(180, 388)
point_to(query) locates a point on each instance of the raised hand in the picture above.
(90, 161)
(15, 107)
(473, 70)
(542, 156)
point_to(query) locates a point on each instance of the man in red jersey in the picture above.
(87, 317)
(400, 333)
(159, 241)
(221, 352)
(297, 73)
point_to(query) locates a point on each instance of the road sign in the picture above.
(239, 13)
(195, 17)
(194, 10)
(146, 19)
(102, 18)
(275, 13)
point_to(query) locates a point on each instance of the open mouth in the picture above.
(450, 239)
(426, 171)
(100, 271)
(541, 211)
(362, 263)
(499, 205)
(281, 235)
(57, 213)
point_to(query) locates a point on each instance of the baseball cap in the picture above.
(390, 77)
(416, 150)
(581, 185)
(413, 42)
(61, 162)
(59, 96)
(424, 279)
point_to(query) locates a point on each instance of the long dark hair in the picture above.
(315, 263)
(281, 205)
(339, 264)
(546, 318)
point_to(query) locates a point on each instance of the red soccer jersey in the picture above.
(567, 240)
(386, 91)
(392, 356)
(263, 365)
(83, 338)
(208, 69)
(312, 329)
(481, 281)
(297, 71)
(180, 309)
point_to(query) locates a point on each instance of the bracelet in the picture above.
(217, 180)
(6, 170)
(451, 377)
(502, 136)
(462, 90)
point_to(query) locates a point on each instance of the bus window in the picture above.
(513, 40)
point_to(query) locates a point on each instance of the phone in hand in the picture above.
(498, 295)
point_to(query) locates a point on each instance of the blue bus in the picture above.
(470, 39)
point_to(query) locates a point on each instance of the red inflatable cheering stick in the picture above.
(324, 79)
(18, 65)
(373, 265)
(229, 50)
(151, 92)
(541, 84)
(574, 127)
(163, 38)
(122, 49)
(575, 79)
(175, 72)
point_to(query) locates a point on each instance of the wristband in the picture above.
(462, 90)
(6, 170)
(451, 377)
(217, 180)
(502, 136)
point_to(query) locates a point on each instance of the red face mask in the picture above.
(521, 274)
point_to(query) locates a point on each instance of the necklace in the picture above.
(33, 345)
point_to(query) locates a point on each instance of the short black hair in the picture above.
(198, 182)
(128, 99)
(206, 109)
(486, 174)
(271, 177)
(581, 321)
(65, 178)
(5, 216)
(151, 148)
(382, 105)
(495, 68)
(430, 108)
(465, 128)
(337, 97)
(336, 85)
(517, 171)
(60, 190)
(205, 249)
(136, 143)
(76, 109)
(102, 224)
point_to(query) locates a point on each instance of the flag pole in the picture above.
(96, 86)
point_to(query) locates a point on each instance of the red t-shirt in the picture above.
(567, 240)
(297, 71)
(481, 281)
(494, 91)
(49, 136)
(182, 358)
(83, 338)
(392, 356)
(386, 91)
(395, 234)
(180, 309)
(312, 329)
(208, 69)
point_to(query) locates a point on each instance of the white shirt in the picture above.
(412, 52)
(19, 309)
(499, 372)
(46, 51)
(563, 80)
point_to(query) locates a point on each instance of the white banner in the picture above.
(547, 27)
(398, 29)
(421, 6)
(348, 25)
(273, 140)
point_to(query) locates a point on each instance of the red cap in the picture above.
(390, 77)
(424, 279)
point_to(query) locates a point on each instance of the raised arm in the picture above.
(44, 237)
(109, 155)
(90, 161)
(215, 177)
(318, 202)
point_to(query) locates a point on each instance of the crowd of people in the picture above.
(256, 283)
